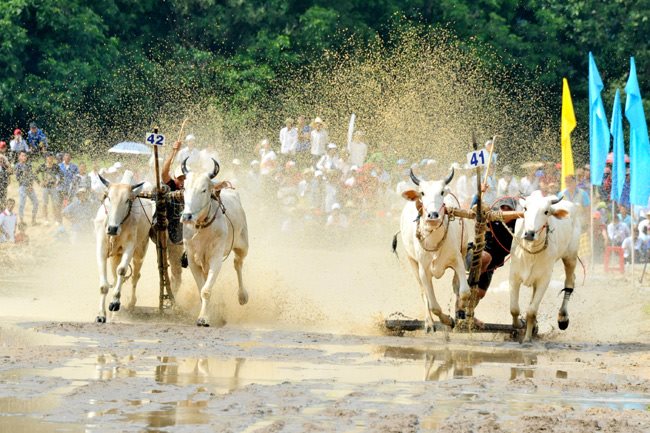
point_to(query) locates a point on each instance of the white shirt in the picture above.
(8, 222)
(319, 141)
(327, 162)
(18, 145)
(267, 160)
(358, 152)
(528, 186)
(288, 140)
(617, 232)
(505, 188)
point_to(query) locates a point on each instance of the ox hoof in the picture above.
(563, 324)
(114, 306)
(100, 319)
(202, 323)
(243, 298)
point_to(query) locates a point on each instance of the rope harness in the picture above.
(523, 247)
(422, 239)
(216, 196)
(111, 239)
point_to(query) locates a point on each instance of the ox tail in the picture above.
(394, 244)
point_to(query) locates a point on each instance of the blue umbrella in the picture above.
(131, 147)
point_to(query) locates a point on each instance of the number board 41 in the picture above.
(478, 158)
(155, 139)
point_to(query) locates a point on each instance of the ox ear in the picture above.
(411, 195)
(559, 213)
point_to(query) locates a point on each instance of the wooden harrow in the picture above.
(481, 214)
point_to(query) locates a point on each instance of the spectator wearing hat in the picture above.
(36, 139)
(288, 138)
(17, 145)
(70, 172)
(25, 177)
(8, 222)
(189, 152)
(51, 177)
(358, 149)
(319, 139)
(5, 171)
(331, 160)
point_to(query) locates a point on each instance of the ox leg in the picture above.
(138, 259)
(239, 263)
(515, 285)
(121, 271)
(428, 318)
(461, 288)
(569, 283)
(433, 306)
(206, 290)
(531, 315)
(102, 252)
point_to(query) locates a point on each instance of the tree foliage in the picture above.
(118, 64)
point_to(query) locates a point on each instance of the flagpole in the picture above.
(591, 223)
(633, 244)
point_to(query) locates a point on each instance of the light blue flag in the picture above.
(639, 142)
(598, 128)
(618, 166)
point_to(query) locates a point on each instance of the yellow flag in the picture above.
(568, 125)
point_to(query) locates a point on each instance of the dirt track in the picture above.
(306, 354)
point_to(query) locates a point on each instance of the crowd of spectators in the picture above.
(52, 183)
(306, 182)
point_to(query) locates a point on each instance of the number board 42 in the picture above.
(478, 158)
(155, 139)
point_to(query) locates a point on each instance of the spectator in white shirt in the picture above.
(508, 185)
(8, 222)
(268, 158)
(530, 182)
(319, 139)
(358, 149)
(617, 231)
(330, 161)
(288, 138)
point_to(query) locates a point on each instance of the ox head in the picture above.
(537, 211)
(198, 192)
(118, 201)
(429, 198)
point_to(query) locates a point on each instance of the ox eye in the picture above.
(422, 194)
(525, 209)
(546, 213)
(204, 190)
(442, 193)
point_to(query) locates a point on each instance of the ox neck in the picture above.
(436, 234)
(536, 246)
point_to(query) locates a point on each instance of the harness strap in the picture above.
(422, 239)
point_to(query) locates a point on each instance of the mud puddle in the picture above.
(277, 382)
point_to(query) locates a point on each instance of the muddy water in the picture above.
(242, 380)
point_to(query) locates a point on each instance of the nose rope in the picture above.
(523, 247)
(422, 239)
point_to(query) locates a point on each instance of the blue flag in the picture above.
(639, 142)
(598, 128)
(618, 165)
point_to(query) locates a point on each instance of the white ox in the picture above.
(215, 225)
(122, 232)
(434, 243)
(548, 232)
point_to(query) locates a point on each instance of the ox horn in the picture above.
(450, 177)
(556, 200)
(134, 187)
(414, 178)
(106, 183)
(184, 166)
(216, 168)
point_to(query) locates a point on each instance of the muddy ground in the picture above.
(307, 354)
